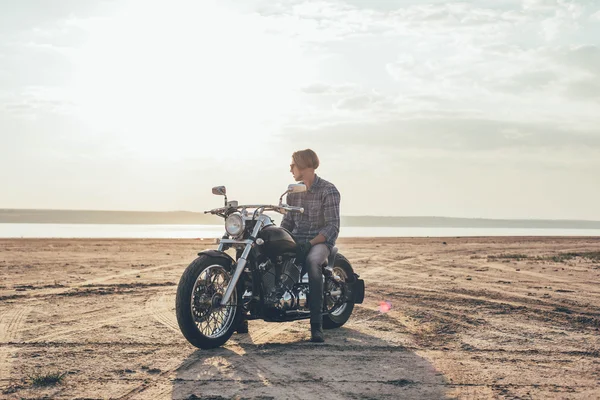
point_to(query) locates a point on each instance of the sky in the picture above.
(479, 109)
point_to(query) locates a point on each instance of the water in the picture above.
(215, 231)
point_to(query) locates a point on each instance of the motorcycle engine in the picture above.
(284, 289)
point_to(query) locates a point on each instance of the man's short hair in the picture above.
(306, 159)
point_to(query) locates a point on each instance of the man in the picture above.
(316, 230)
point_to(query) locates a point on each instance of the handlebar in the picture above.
(292, 208)
(280, 209)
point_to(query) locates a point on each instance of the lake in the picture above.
(215, 231)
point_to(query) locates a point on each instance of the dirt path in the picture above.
(472, 318)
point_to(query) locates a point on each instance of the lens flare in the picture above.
(385, 306)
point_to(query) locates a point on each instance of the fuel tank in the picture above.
(278, 241)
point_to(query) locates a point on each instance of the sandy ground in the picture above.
(471, 318)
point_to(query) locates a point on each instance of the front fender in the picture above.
(218, 254)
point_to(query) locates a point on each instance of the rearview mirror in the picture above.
(293, 188)
(219, 190)
(296, 188)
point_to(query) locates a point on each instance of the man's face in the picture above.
(296, 172)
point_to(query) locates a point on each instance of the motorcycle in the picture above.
(265, 280)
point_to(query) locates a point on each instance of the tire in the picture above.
(340, 316)
(194, 321)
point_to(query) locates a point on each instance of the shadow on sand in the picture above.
(350, 365)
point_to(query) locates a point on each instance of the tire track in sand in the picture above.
(126, 273)
(89, 282)
(262, 334)
(11, 322)
(88, 326)
(162, 309)
(149, 383)
(52, 325)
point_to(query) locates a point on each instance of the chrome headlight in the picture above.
(234, 225)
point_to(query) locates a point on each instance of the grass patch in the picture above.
(400, 382)
(593, 256)
(563, 310)
(515, 257)
(47, 379)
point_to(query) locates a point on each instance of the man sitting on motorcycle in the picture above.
(316, 230)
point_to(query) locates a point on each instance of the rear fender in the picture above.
(356, 290)
(356, 287)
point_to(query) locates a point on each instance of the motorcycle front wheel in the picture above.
(201, 318)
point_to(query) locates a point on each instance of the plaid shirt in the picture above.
(321, 212)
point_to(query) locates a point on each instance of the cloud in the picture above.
(403, 85)
(526, 81)
(405, 65)
(323, 88)
(580, 68)
(24, 17)
(584, 89)
(450, 134)
(454, 15)
(362, 102)
(538, 5)
(33, 101)
(585, 57)
(492, 73)
(331, 21)
(38, 56)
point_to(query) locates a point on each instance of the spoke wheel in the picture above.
(212, 319)
(333, 304)
(202, 320)
(337, 310)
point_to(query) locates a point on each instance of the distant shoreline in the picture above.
(194, 218)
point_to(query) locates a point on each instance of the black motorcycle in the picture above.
(264, 281)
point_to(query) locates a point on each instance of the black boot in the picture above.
(242, 327)
(316, 333)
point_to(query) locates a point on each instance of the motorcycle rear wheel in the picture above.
(202, 320)
(339, 315)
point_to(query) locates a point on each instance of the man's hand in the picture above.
(302, 250)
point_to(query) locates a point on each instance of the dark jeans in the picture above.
(314, 261)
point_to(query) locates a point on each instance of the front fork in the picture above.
(242, 260)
